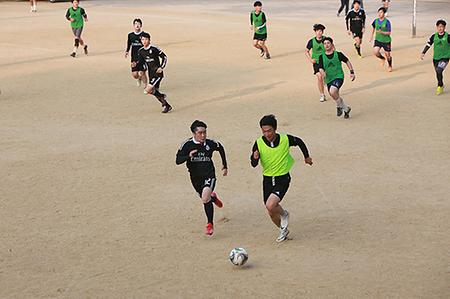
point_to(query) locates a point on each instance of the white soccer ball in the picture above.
(238, 256)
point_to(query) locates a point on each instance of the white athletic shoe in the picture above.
(138, 82)
(284, 220)
(283, 235)
(145, 92)
(322, 98)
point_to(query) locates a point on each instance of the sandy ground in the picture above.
(93, 205)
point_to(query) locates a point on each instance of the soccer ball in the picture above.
(238, 256)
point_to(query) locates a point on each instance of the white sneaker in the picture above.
(283, 235)
(284, 220)
(138, 82)
(145, 92)
(322, 98)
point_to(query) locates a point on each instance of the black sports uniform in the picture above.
(134, 43)
(152, 58)
(278, 185)
(355, 22)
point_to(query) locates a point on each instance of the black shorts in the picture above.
(357, 33)
(316, 68)
(385, 46)
(258, 36)
(201, 183)
(336, 83)
(277, 185)
(441, 64)
(155, 81)
(138, 67)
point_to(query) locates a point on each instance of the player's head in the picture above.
(75, 3)
(440, 26)
(257, 5)
(328, 43)
(145, 39)
(137, 23)
(318, 29)
(381, 12)
(356, 4)
(198, 128)
(268, 126)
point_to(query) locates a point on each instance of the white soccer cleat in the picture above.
(283, 235)
(284, 220)
(322, 98)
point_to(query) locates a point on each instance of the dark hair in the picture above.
(318, 27)
(137, 20)
(257, 3)
(196, 124)
(441, 22)
(383, 9)
(328, 39)
(146, 35)
(268, 120)
(76, 0)
(357, 1)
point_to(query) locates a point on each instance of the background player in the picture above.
(314, 48)
(77, 16)
(197, 152)
(258, 25)
(355, 22)
(344, 3)
(134, 43)
(381, 27)
(33, 5)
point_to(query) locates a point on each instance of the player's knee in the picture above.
(135, 75)
(77, 42)
(439, 71)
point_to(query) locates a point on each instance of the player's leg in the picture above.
(257, 46)
(274, 209)
(341, 106)
(262, 44)
(387, 53)
(341, 8)
(358, 44)
(82, 43)
(143, 77)
(153, 89)
(439, 66)
(209, 197)
(76, 42)
(320, 84)
(377, 53)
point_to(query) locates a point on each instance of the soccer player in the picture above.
(33, 6)
(441, 56)
(77, 16)
(258, 25)
(272, 149)
(344, 3)
(154, 61)
(314, 48)
(197, 152)
(134, 44)
(386, 4)
(355, 22)
(330, 64)
(381, 27)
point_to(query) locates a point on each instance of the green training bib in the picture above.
(332, 67)
(441, 47)
(383, 27)
(76, 15)
(258, 21)
(317, 48)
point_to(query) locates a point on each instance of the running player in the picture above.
(356, 22)
(77, 16)
(272, 149)
(441, 56)
(386, 4)
(134, 44)
(154, 61)
(258, 25)
(344, 3)
(330, 64)
(33, 6)
(197, 152)
(381, 27)
(314, 48)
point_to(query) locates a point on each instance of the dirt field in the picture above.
(93, 205)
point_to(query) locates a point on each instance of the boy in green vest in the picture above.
(330, 64)
(259, 26)
(382, 30)
(441, 56)
(314, 48)
(272, 149)
(77, 16)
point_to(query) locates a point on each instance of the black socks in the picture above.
(209, 211)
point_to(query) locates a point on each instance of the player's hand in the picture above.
(309, 161)
(353, 77)
(133, 63)
(224, 171)
(251, 28)
(126, 54)
(72, 20)
(363, 30)
(192, 153)
(256, 155)
(422, 56)
(159, 70)
(349, 32)
(313, 61)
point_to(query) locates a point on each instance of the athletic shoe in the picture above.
(360, 56)
(209, 230)
(267, 56)
(73, 54)
(439, 90)
(217, 202)
(322, 98)
(85, 50)
(166, 109)
(138, 82)
(283, 235)
(339, 111)
(390, 69)
(347, 113)
(284, 220)
(262, 53)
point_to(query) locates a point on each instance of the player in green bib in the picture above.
(441, 46)
(381, 27)
(258, 24)
(330, 64)
(314, 48)
(77, 16)
(272, 150)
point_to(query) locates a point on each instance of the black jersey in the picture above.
(200, 165)
(355, 20)
(152, 58)
(134, 43)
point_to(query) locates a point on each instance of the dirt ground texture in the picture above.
(92, 203)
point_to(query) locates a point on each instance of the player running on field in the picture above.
(355, 22)
(344, 4)
(330, 64)
(272, 150)
(441, 56)
(134, 43)
(154, 61)
(77, 16)
(382, 30)
(197, 152)
(258, 24)
(33, 6)
(314, 48)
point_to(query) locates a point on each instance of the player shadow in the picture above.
(286, 54)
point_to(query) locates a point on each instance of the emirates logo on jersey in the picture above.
(207, 147)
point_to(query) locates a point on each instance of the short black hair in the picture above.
(328, 39)
(383, 9)
(257, 3)
(146, 35)
(357, 1)
(197, 124)
(318, 27)
(268, 120)
(76, 0)
(441, 22)
(137, 20)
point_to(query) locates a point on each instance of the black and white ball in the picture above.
(238, 256)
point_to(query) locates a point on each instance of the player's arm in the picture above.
(254, 158)
(427, 46)
(68, 16)
(140, 62)
(345, 60)
(251, 21)
(297, 141)
(83, 13)
(363, 21)
(373, 30)
(308, 51)
(223, 156)
(321, 67)
(127, 51)
(347, 20)
(163, 58)
(263, 20)
(183, 155)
